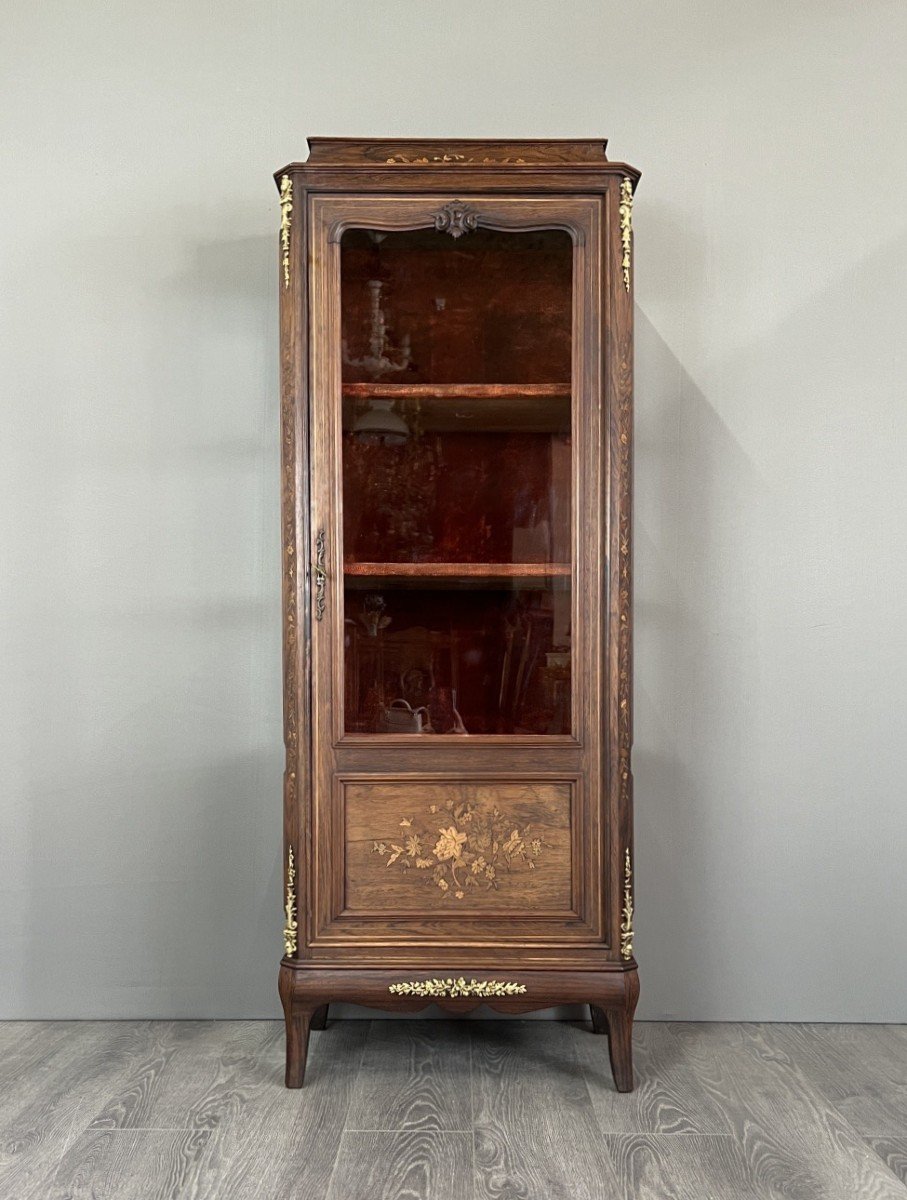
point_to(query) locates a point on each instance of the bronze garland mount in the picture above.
(457, 987)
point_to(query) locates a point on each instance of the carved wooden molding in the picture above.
(434, 153)
(493, 217)
(456, 218)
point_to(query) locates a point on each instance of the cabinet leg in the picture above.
(620, 1048)
(599, 1019)
(616, 1020)
(298, 1019)
(319, 1017)
(298, 1023)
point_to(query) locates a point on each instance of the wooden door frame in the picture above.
(582, 218)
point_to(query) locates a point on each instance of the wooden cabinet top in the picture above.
(453, 155)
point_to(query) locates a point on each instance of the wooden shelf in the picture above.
(454, 391)
(454, 570)
(469, 407)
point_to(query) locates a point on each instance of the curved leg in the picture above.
(319, 1017)
(298, 1020)
(599, 1019)
(620, 1049)
(298, 1023)
(620, 1036)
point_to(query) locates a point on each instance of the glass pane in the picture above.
(457, 466)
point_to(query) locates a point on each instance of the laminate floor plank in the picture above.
(196, 1075)
(893, 1153)
(668, 1098)
(415, 1075)
(283, 1144)
(197, 1110)
(26, 1045)
(43, 1108)
(794, 1141)
(131, 1164)
(536, 1135)
(15, 1035)
(860, 1069)
(420, 1164)
(689, 1167)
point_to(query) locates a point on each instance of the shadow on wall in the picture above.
(770, 657)
(678, 504)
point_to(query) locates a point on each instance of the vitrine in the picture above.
(456, 349)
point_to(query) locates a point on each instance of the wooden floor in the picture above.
(438, 1110)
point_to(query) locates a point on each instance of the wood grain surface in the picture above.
(668, 1098)
(795, 1141)
(402, 1166)
(404, 840)
(452, 1110)
(860, 1069)
(131, 1164)
(535, 1128)
(415, 1076)
(893, 1152)
(333, 888)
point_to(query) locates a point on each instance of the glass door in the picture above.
(457, 465)
(456, 526)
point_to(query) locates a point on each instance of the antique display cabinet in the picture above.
(456, 339)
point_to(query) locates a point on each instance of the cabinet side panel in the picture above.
(618, 340)
(293, 290)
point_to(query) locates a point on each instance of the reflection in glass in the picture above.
(457, 470)
(458, 659)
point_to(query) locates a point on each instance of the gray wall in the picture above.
(140, 849)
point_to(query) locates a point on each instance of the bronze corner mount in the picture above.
(292, 925)
(286, 209)
(626, 925)
(625, 211)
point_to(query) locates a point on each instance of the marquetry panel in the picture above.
(458, 846)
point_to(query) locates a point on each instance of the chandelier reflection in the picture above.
(379, 423)
(382, 357)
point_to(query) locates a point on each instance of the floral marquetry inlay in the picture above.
(461, 847)
(423, 160)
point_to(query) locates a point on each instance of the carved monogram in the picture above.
(456, 219)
